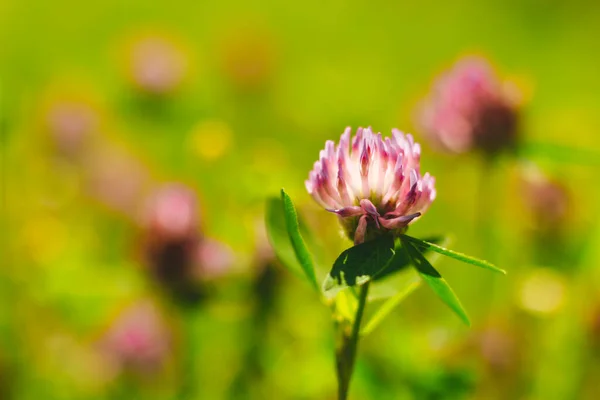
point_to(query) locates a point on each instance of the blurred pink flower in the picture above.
(171, 213)
(374, 185)
(70, 125)
(498, 348)
(138, 338)
(170, 224)
(175, 247)
(157, 65)
(213, 259)
(263, 251)
(546, 199)
(116, 179)
(469, 107)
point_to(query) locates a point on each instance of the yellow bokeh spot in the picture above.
(211, 139)
(542, 292)
(44, 238)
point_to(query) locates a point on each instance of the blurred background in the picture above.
(140, 141)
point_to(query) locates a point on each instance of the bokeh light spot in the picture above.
(211, 139)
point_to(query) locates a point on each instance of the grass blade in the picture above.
(435, 281)
(422, 244)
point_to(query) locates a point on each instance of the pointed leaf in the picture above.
(300, 249)
(359, 264)
(293, 229)
(425, 245)
(436, 282)
(401, 259)
(387, 306)
(394, 282)
(279, 238)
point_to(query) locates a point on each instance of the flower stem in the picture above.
(189, 370)
(485, 207)
(348, 343)
(486, 217)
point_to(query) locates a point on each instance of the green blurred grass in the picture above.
(333, 64)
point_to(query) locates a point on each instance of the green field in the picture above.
(244, 97)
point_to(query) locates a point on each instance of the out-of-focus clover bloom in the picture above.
(175, 248)
(213, 259)
(116, 179)
(138, 339)
(470, 108)
(373, 184)
(157, 64)
(170, 225)
(71, 125)
(171, 213)
(498, 348)
(546, 199)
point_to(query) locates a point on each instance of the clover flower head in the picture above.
(469, 107)
(157, 64)
(547, 199)
(138, 338)
(171, 213)
(373, 184)
(71, 124)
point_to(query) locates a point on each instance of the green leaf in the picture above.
(388, 305)
(435, 281)
(359, 264)
(401, 259)
(425, 245)
(279, 238)
(293, 230)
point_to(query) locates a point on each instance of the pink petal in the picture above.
(399, 222)
(359, 235)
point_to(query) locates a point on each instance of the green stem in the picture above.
(187, 388)
(485, 207)
(487, 204)
(346, 352)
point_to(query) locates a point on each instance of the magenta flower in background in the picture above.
(138, 339)
(498, 348)
(71, 124)
(170, 225)
(175, 248)
(157, 64)
(213, 259)
(546, 199)
(373, 184)
(116, 179)
(470, 108)
(171, 213)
